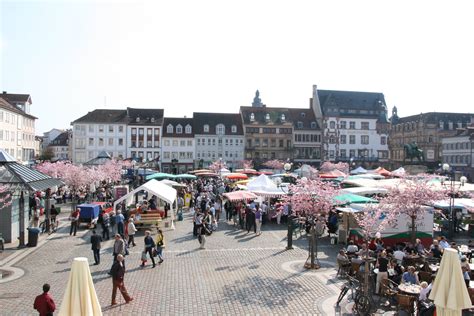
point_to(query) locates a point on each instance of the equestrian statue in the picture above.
(412, 151)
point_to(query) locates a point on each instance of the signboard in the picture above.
(119, 191)
(430, 154)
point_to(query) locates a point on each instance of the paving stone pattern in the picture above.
(237, 273)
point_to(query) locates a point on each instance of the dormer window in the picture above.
(188, 129)
(303, 114)
(450, 125)
(313, 125)
(152, 120)
(299, 124)
(441, 124)
(169, 129)
(283, 117)
(137, 119)
(234, 129)
(206, 128)
(179, 129)
(267, 117)
(220, 129)
(252, 117)
(459, 124)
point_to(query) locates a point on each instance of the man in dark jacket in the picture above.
(95, 241)
(118, 273)
(44, 303)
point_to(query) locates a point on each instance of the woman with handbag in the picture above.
(149, 246)
(160, 244)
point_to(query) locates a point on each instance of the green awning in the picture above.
(185, 176)
(348, 198)
(160, 175)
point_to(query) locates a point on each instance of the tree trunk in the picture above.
(312, 261)
(413, 230)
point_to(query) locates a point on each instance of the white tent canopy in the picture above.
(358, 170)
(261, 183)
(400, 172)
(154, 187)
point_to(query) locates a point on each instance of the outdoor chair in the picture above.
(406, 303)
(388, 290)
(344, 268)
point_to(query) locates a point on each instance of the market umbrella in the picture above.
(80, 297)
(206, 174)
(160, 175)
(200, 170)
(235, 176)
(239, 196)
(349, 198)
(358, 170)
(449, 291)
(332, 174)
(248, 171)
(382, 171)
(172, 183)
(185, 176)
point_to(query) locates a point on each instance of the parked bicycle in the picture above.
(362, 302)
(53, 226)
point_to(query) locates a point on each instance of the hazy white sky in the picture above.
(186, 56)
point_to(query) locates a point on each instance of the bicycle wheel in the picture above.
(362, 305)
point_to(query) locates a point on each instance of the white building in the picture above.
(177, 145)
(99, 130)
(144, 134)
(458, 152)
(49, 136)
(17, 126)
(60, 146)
(219, 135)
(355, 126)
(307, 136)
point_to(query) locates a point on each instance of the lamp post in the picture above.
(452, 187)
(289, 246)
(351, 164)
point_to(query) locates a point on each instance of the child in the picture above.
(425, 289)
(144, 258)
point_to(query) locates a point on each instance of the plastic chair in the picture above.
(344, 268)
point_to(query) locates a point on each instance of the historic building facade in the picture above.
(218, 136)
(427, 131)
(60, 146)
(307, 136)
(355, 126)
(177, 145)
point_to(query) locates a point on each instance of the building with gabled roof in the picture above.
(178, 147)
(218, 136)
(60, 146)
(307, 136)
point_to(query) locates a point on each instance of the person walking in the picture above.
(149, 246)
(258, 221)
(160, 244)
(118, 273)
(119, 219)
(44, 303)
(95, 241)
(382, 264)
(74, 221)
(118, 248)
(112, 217)
(250, 220)
(131, 232)
(105, 226)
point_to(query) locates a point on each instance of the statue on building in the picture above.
(412, 151)
(257, 102)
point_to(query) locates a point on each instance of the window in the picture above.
(252, 117)
(179, 129)
(190, 143)
(234, 129)
(188, 129)
(141, 131)
(267, 117)
(111, 141)
(352, 153)
(313, 125)
(331, 154)
(175, 143)
(101, 142)
(169, 129)
(265, 142)
(257, 142)
(182, 143)
(1, 116)
(250, 130)
(299, 124)
(111, 128)
(343, 124)
(273, 143)
(121, 129)
(167, 142)
(280, 143)
(364, 139)
(332, 139)
(343, 153)
(283, 118)
(352, 139)
(364, 125)
(220, 129)
(166, 155)
(91, 128)
(91, 141)
(208, 142)
(352, 125)
(206, 128)
(383, 140)
(134, 131)
(189, 155)
(213, 142)
(343, 139)
(182, 155)
(120, 141)
(332, 125)
(101, 128)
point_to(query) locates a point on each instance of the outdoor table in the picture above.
(412, 289)
(391, 272)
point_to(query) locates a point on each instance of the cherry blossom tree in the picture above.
(5, 196)
(411, 198)
(274, 164)
(216, 166)
(328, 166)
(247, 164)
(312, 199)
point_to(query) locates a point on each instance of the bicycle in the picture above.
(362, 303)
(53, 226)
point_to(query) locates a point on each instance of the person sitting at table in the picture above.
(443, 243)
(364, 251)
(466, 276)
(351, 248)
(399, 255)
(398, 271)
(419, 248)
(410, 276)
(409, 249)
(465, 263)
(425, 290)
(435, 251)
(342, 257)
(389, 251)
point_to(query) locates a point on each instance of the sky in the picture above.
(190, 56)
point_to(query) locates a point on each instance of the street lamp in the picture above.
(351, 164)
(289, 237)
(452, 187)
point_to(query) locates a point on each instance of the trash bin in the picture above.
(33, 233)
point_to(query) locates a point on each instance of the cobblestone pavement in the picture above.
(237, 273)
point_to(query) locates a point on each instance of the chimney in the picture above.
(4, 92)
